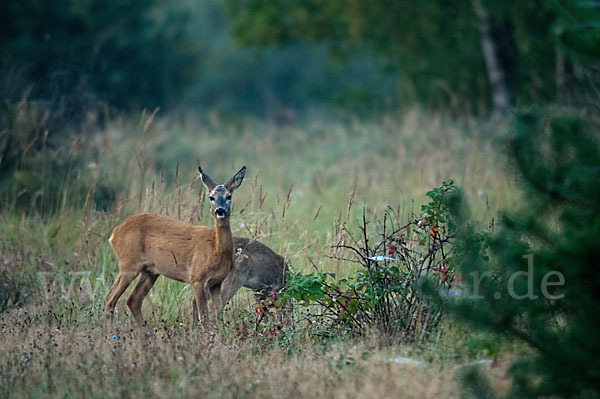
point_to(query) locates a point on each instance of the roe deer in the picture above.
(255, 267)
(151, 245)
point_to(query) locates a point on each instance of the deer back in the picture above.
(263, 269)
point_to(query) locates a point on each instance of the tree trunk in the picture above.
(501, 97)
(560, 77)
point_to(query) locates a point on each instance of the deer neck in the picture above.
(224, 238)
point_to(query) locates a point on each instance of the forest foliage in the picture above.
(533, 278)
(135, 54)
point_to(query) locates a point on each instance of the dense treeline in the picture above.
(469, 54)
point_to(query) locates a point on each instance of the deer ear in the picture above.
(208, 182)
(236, 180)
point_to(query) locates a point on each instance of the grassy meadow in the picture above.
(304, 182)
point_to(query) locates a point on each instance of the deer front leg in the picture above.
(201, 302)
(194, 311)
(215, 296)
(232, 283)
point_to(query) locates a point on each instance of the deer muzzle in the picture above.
(220, 212)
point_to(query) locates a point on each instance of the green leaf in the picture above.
(352, 305)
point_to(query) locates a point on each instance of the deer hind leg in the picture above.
(140, 291)
(120, 285)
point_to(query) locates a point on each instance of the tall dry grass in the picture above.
(47, 355)
(304, 182)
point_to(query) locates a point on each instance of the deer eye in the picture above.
(211, 198)
(228, 198)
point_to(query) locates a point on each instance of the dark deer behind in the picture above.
(256, 267)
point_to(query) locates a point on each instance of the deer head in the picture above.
(220, 194)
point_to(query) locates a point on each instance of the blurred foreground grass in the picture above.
(44, 357)
(304, 182)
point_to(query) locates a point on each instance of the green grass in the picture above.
(303, 183)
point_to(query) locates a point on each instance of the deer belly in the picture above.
(169, 272)
(256, 283)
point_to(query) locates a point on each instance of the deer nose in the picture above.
(220, 212)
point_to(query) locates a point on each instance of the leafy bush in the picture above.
(384, 293)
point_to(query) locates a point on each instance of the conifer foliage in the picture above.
(535, 278)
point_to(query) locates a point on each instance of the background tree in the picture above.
(535, 277)
(577, 39)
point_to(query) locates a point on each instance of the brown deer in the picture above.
(150, 245)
